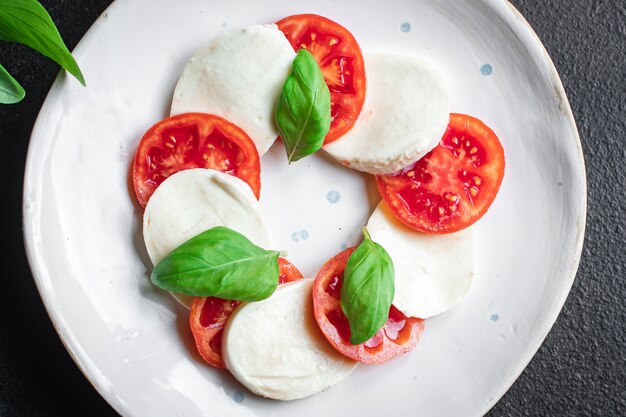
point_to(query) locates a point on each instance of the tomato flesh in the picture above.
(338, 70)
(193, 140)
(215, 311)
(452, 186)
(209, 316)
(287, 272)
(398, 335)
(339, 56)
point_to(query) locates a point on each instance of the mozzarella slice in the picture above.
(404, 116)
(276, 350)
(432, 272)
(195, 200)
(238, 76)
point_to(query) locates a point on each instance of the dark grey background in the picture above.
(581, 368)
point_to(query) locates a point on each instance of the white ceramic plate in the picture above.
(131, 340)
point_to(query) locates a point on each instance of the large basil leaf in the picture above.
(219, 263)
(303, 109)
(367, 289)
(28, 23)
(10, 90)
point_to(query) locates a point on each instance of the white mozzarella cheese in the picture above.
(405, 114)
(195, 200)
(238, 76)
(276, 350)
(432, 272)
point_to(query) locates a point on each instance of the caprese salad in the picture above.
(197, 174)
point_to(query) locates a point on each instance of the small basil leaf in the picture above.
(303, 109)
(28, 23)
(367, 290)
(219, 263)
(10, 90)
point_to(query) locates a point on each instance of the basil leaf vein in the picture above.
(367, 289)
(219, 263)
(11, 91)
(303, 109)
(28, 23)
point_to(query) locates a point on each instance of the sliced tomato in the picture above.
(193, 140)
(209, 315)
(287, 272)
(341, 62)
(452, 186)
(207, 320)
(399, 335)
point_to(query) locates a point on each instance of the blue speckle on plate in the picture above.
(344, 246)
(238, 397)
(494, 318)
(333, 197)
(405, 27)
(299, 235)
(486, 69)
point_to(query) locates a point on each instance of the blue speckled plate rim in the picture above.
(522, 24)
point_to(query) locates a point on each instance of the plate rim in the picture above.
(566, 110)
(528, 38)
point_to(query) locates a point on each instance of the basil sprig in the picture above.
(28, 23)
(367, 289)
(303, 109)
(219, 263)
(10, 90)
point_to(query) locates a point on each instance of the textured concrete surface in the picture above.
(581, 368)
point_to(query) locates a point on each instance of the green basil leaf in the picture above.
(303, 109)
(367, 290)
(28, 23)
(10, 90)
(219, 263)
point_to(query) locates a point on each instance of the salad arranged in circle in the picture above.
(197, 174)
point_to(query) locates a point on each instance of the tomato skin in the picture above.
(193, 140)
(341, 61)
(454, 185)
(209, 315)
(399, 335)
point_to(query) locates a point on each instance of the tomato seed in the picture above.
(452, 197)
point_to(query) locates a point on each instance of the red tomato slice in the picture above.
(193, 140)
(341, 61)
(287, 272)
(209, 315)
(452, 186)
(207, 320)
(399, 335)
